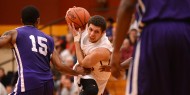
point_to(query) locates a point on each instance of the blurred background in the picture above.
(52, 12)
(53, 23)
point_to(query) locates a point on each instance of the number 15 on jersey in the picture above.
(43, 47)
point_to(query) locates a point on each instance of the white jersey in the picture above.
(88, 47)
(101, 78)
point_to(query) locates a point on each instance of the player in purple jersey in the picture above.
(161, 60)
(33, 52)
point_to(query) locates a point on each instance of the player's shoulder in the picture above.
(10, 32)
(13, 31)
(19, 27)
(48, 37)
(105, 43)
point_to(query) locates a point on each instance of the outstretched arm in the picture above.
(123, 65)
(55, 59)
(125, 12)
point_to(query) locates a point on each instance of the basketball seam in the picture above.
(73, 21)
(78, 18)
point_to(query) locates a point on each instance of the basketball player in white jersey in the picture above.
(93, 49)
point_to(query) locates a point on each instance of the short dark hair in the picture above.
(29, 15)
(98, 20)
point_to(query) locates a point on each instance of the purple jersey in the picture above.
(161, 57)
(152, 10)
(33, 51)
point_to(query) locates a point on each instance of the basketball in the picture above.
(77, 15)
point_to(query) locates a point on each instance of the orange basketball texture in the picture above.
(77, 15)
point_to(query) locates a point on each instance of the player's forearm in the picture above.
(125, 64)
(64, 68)
(57, 62)
(79, 53)
(67, 70)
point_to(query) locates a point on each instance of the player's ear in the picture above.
(38, 21)
(103, 32)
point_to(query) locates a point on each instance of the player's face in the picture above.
(95, 33)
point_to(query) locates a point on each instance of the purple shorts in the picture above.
(46, 89)
(161, 60)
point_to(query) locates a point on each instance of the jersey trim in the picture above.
(16, 85)
(132, 87)
(20, 71)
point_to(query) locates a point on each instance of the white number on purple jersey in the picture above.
(43, 47)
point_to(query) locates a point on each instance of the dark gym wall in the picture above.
(54, 9)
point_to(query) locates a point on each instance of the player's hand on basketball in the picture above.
(86, 26)
(105, 68)
(115, 65)
(76, 33)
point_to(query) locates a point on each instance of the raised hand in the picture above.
(76, 34)
(105, 68)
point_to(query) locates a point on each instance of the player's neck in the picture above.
(30, 25)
